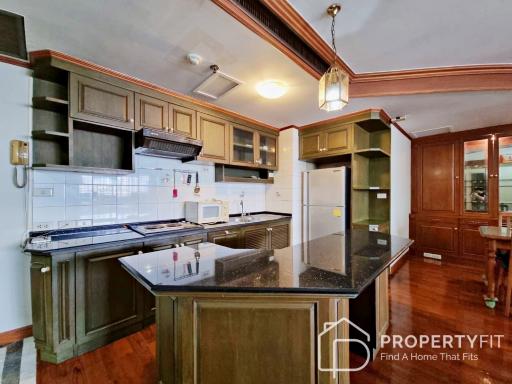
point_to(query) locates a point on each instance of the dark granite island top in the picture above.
(340, 264)
(268, 316)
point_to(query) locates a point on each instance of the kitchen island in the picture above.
(268, 316)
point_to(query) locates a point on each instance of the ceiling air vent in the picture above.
(217, 84)
(433, 131)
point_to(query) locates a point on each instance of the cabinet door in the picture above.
(267, 151)
(472, 245)
(256, 237)
(439, 178)
(310, 145)
(228, 238)
(338, 140)
(502, 176)
(151, 113)
(108, 299)
(215, 135)
(279, 236)
(438, 235)
(476, 191)
(243, 146)
(101, 103)
(382, 305)
(183, 121)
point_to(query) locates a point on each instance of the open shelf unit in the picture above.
(371, 182)
(62, 143)
(235, 174)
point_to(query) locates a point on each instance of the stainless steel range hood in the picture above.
(155, 142)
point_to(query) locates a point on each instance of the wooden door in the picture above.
(338, 140)
(243, 146)
(101, 103)
(108, 299)
(439, 180)
(267, 156)
(256, 237)
(151, 113)
(311, 145)
(215, 135)
(439, 236)
(227, 238)
(279, 236)
(183, 120)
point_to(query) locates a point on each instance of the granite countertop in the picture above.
(83, 239)
(335, 264)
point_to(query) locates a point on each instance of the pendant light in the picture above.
(333, 87)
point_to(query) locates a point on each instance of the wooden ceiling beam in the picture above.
(391, 83)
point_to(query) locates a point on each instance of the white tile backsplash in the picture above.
(57, 198)
(145, 195)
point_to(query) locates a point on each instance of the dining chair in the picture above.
(503, 264)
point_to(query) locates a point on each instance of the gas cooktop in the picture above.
(146, 229)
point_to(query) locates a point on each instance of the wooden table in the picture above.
(497, 238)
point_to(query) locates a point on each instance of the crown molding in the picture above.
(391, 83)
(14, 61)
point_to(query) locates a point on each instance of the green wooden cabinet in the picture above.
(53, 306)
(109, 301)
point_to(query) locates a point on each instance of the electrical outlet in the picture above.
(83, 223)
(373, 227)
(44, 226)
(43, 192)
(382, 242)
(382, 195)
(67, 224)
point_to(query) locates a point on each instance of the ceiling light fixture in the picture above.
(333, 87)
(271, 89)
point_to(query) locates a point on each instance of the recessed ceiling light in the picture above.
(271, 89)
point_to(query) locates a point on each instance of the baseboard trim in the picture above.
(15, 335)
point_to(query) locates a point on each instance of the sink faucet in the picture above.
(242, 195)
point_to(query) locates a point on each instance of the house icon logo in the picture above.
(333, 365)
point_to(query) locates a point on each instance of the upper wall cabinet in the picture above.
(252, 148)
(326, 142)
(151, 113)
(183, 120)
(102, 103)
(215, 135)
(267, 151)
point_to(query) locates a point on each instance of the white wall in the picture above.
(15, 121)
(400, 183)
(81, 199)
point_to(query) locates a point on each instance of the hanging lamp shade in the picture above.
(333, 89)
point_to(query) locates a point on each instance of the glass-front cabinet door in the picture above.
(243, 146)
(505, 173)
(267, 151)
(476, 176)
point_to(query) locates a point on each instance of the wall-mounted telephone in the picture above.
(19, 156)
(19, 152)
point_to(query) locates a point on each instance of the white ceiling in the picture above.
(385, 35)
(150, 39)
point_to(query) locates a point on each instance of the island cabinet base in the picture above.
(251, 338)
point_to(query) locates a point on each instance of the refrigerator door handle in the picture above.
(305, 233)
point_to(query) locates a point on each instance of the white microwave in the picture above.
(207, 212)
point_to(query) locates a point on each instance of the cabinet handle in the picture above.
(131, 120)
(455, 229)
(45, 269)
(227, 232)
(456, 177)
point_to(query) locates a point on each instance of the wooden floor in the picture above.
(427, 297)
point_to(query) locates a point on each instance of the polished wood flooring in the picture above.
(427, 297)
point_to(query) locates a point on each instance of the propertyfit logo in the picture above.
(326, 336)
(450, 344)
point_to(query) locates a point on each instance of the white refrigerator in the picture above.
(325, 201)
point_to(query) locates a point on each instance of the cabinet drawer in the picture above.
(102, 103)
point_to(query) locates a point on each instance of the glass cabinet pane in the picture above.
(268, 151)
(243, 145)
(476, 189)
(505, 173)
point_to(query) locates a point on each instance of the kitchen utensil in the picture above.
(197, 189)
(174, 189)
